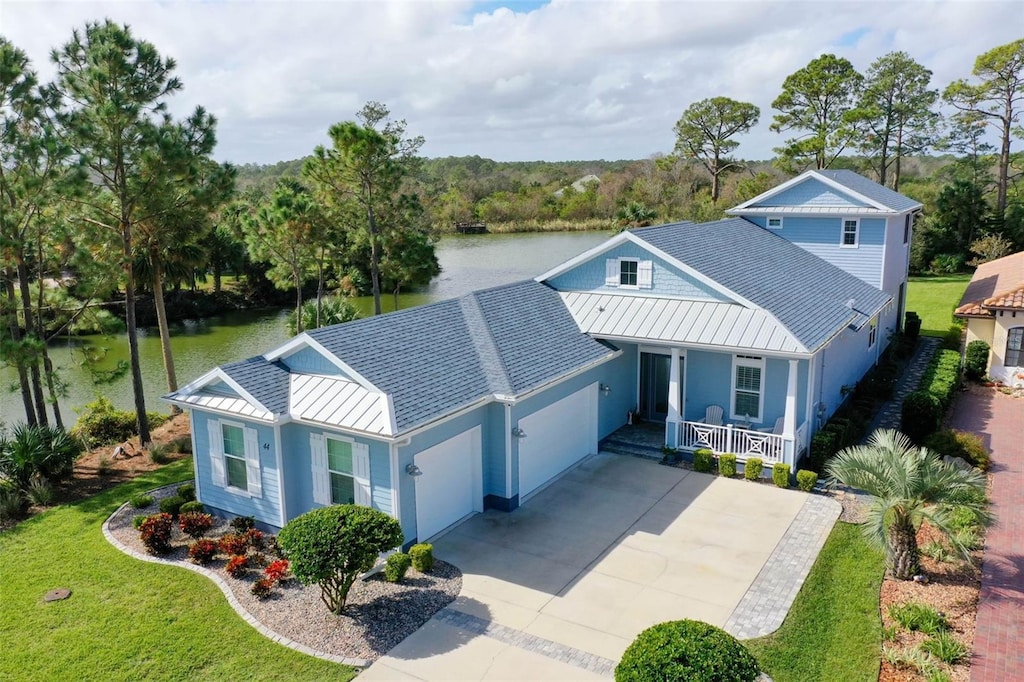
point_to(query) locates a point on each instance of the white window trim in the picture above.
(362, 485)
(872, 332)
(768, 222)
(351, 474)
(747, 361)
(1006, 348)
(234, 490)
(842, 234)
(635, 261)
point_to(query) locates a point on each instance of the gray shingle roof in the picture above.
(265, 381)
(806, 293)
(432, 359)
(872, 190)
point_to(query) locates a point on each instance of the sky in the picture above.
(507, 80)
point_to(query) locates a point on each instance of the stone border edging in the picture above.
(764, 606)
(219, 582)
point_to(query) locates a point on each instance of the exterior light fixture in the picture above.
(605, 389)
(518, 432)
(413, 470)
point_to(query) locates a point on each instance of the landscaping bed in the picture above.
(378, 614)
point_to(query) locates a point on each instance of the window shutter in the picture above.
(321, 478)
(361, 474)
(611, 272)
(220, 477)
(645, 274)
(253, 476)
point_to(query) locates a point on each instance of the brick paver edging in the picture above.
(219, 582)
(766, 603)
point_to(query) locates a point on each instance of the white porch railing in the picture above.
(742, 442)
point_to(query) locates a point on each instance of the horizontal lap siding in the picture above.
(812, 193)
(846, 360)
(667, 280)
(266, 508)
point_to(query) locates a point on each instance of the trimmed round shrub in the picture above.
(921, 415)
(727, 465)
(141, 501)
(191, 507)
(752, 468)
(703, 460)
(155, 532)
(911, 325)
(187, 492)
(396, 566)
(171, 505)
(780, 474)
(686, 650)
(806, 480)
(976, 360)
(422, 556)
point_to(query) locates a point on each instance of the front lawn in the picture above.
(935, 298)
(125, 619)
(833, 631)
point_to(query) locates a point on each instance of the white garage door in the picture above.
(450, 486)
(557, 437)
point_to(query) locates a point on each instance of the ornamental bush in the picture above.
(237, 566)
(141, 501)
(187, 492)
(202, 551)
(332, 546)
(806, 480)
(780, 474)
(262, 588)
(921, 415)
(155, 533)
(422, 556)
(396, 567)
(191, 507)
(240, 524)
(727, 465)
(752, 469)
(171, 505)
(234, 545)
(255, 538)
(911, 325)
(966, 446)
(703, 460)
(686, 650)
(277, 570)
(976, 360)
(100, 423)
(195, 524)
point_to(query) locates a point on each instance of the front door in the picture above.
(655, 371)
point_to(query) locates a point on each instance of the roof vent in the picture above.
(850, 304)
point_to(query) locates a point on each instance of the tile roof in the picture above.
(870, 189)
(995, 285)
(805, 293)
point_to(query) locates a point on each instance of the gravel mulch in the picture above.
(378, 614)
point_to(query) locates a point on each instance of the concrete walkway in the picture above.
(999, 638)
(559, 588)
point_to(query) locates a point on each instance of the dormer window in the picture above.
(775, 223)
(629, 273)
(851, 228)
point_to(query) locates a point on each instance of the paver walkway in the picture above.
(888, 416)
(999, 638)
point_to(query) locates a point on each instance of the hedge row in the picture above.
(924, 408)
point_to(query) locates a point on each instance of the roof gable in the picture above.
(828, 190)
(812, 192)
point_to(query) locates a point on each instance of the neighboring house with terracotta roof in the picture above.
(993, 306)
(740, 335)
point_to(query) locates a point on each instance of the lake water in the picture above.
(468, 262)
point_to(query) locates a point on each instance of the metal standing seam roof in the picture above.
(710, 323)
(807, 294)
(339, 402)
(222, 403)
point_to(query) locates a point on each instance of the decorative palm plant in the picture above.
(909, 485)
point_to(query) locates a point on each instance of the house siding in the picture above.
(667, 280)
(812, 193)
(821, 236)
(267, 508)
(310, 361)
(844, 363)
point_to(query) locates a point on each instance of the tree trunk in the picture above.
(161, 321)
(298, 303)
(1004, 162)
(30, 329)
(216, 277)
(19, 361)
(41, 334)
(52, 388)
(320, 289)
(903, 559)
(714, 180)
(374, 260)
(141, 420)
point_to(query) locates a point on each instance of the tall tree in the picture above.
(896, 108)
(705, 130)
(997, 98)
(114, 89)
(817, 99)
(365, 166)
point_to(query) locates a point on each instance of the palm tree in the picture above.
(909, 485)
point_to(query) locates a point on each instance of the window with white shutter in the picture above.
(341, 471)
(611, 272)
(235, 457)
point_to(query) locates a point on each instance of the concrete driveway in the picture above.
(559, 588)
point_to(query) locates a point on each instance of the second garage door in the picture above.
(557, 437)
(450, 485)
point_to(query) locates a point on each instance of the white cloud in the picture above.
(556, 81)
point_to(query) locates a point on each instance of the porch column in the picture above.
(789, 421)
(672, 421)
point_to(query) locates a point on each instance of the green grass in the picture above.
(126, 619)
(935, 299)
(833, 631)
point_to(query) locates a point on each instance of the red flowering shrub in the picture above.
(195, 524)
(234, 545)
(155, 532)
(262, 588)
(254, 538)
(277, 570)
(237, 566)
(202, 551)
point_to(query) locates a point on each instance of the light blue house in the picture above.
(741, 335)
